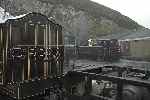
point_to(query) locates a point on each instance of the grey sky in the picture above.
(138, 10)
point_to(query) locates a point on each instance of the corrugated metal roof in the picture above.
(115, 36)
(138, 35)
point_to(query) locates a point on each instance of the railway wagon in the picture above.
(31, 56)
(103, 50)
(111, 49)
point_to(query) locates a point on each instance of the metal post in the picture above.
(10, 33)
(2, 62)
(18, 91)
(10, 42)
(23, 78)
(6, 48)
(23, 70)
(57, 44)
(119, 90)
(1, 36)
(88, 85)
(5, 52)
(25, 27)
(46, 53)
(29, 67)
(57, 37)
(119, 86)
(49, 28)
(3, 66)
(36, 35)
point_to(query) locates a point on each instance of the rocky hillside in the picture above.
(81, 18)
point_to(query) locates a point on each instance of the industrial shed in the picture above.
(133, 45)
(137, 45)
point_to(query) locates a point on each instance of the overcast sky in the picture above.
(138, 10)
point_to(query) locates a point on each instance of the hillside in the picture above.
(81, 19)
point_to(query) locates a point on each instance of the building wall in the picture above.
(140, 48)
(124, 47)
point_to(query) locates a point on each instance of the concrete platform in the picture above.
(87, 64)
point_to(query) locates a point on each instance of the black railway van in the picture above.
(110, 49)
(31, 55)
